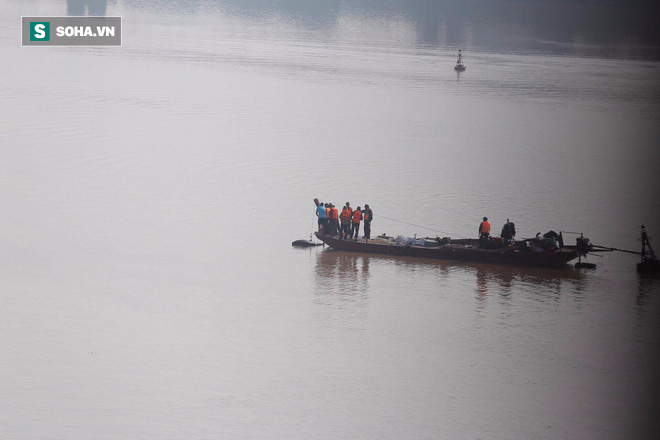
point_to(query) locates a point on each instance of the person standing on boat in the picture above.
(334, 215)
(345, 218)
(328, 219)
(326, 227)
(320, 213)
(484, 232)
(508, 231)
(368, 217)
(350, 216)
(355, 226)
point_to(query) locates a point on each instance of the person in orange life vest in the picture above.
(334, 212)
(355, 224)
(345, 218)
(368, 217)
(328, 220)
(350, 213)
(484, 231)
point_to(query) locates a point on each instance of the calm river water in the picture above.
(150, 195)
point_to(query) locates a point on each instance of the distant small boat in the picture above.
(460, 66)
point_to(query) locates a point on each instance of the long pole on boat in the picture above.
(311, 234)
(317, 204)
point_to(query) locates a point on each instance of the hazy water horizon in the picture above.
(151, 194)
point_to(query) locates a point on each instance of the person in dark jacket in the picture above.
(368, 217)
(508, 231)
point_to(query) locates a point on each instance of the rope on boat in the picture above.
(419, 226)
(311, 234)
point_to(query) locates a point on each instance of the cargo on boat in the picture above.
(519, 253)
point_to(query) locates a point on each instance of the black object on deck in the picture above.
(305, 243)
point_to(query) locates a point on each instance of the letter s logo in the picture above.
(39, 31)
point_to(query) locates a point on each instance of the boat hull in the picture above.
(513, 256)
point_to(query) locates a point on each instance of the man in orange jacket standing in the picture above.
(345, 218)
(355, 226)
(484, 232)
(334, 213)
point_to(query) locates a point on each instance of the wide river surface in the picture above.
(150, 193)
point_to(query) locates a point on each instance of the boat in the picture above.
(649, 262)
(529, 252)
(460, 66)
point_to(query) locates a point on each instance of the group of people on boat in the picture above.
(549, 241)
(508, 232)
(345, 224)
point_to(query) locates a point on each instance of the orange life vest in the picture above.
(334, 213)
(367, 217)
(357, 216)
(485, 227)
(345, 215)
(327, 213)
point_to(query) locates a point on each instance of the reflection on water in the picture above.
(648, 284)
(505, 277)
(646, 318)
(348, 273)
(542, 284)
(86, 7)
(342, 273)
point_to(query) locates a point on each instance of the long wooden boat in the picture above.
(517, 254)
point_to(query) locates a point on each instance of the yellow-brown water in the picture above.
(150, 194)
